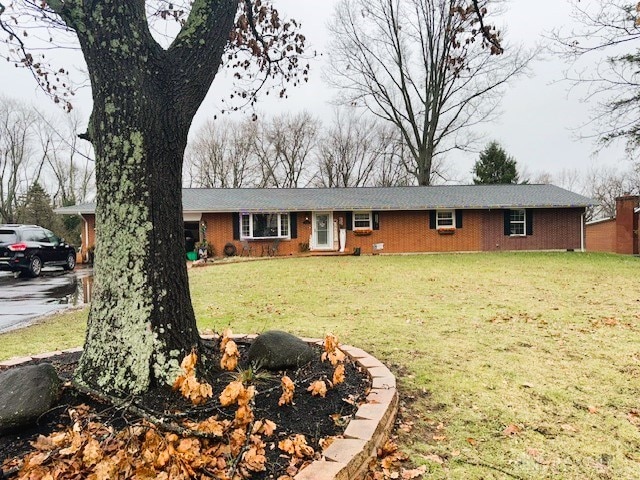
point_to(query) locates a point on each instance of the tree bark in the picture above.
(141, 322)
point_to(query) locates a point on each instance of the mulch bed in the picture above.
(315, 417)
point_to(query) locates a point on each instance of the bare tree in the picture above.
(610, 28)
(283, 147)
(420, 65)
(606, 184)
(349, 151)
(20, 164)
(222, 155)
(69, 161)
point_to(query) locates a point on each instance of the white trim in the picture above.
(329, 245)
(191, 216)
(369, 213)
(453, 219)
(271, 237)
(522, 222)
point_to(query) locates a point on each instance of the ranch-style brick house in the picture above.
(451, 218)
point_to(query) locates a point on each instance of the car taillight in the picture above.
(18, 247)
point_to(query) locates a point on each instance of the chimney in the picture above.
(627, 224)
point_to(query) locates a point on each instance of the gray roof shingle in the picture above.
(371, 198)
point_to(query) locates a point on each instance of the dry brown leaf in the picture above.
(592, 409)
(338, 375)
(288, 389)
(414, 473)
(231, 393)
(230, 357)
(511, 430)
(318, 388)
(265, 427)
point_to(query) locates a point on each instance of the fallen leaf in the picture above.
(318, 388)
(592, 409)
(511, 430)
(434, 458)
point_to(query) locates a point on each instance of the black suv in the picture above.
(27, 248)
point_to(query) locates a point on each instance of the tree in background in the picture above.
(612, 27)
(36, 209)
(19, 165)
(427, 67)
(284, 146)
(222, 155)
(146, 91)
(495, 166)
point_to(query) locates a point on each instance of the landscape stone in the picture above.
(26, 393)
(277, 350)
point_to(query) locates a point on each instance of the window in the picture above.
(265, 225)
(362, 221)
(445, 219)
(517, 222)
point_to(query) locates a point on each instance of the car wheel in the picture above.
(35, 266)
(71, 262)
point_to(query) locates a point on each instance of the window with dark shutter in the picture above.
(376, 220)
(507, 222)
(236, 226)
(432, 219)
(458, 218)
(293, 220)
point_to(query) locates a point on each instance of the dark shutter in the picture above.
(432, 219)
(376, 220)
(458, 218)
(349, 216)
(236, 226)
(293, 224)
(529, 221)
(507, 222)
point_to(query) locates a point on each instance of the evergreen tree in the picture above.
(36, 209)
(494, 166)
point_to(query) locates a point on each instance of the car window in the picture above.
(8, 236)
(35, 235)
(52, 237)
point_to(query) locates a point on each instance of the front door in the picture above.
(323, 231)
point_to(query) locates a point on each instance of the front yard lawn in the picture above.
(510, 365)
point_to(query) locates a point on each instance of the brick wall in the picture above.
(409, 232)
(601, 236)
(626, 236)
(553, 229)
(88, 236)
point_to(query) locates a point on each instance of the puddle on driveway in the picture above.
(23, 300)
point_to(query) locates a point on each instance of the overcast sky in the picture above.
(540, 117)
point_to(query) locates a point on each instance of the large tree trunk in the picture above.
(141, 322)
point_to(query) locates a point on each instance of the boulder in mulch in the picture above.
(277, 350)
(26, 393)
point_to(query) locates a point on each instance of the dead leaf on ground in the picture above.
(511, 430)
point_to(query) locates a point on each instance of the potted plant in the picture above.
(362, 232)
(447, 230)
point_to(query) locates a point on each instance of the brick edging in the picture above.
(346, 458)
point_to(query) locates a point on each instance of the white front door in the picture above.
(323, 231)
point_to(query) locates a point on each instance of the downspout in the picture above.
(582, 228)
(86, 234)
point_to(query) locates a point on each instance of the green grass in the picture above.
(547, 342)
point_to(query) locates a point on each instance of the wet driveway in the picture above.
(23, 300)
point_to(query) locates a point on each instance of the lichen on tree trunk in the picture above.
(141, 321)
